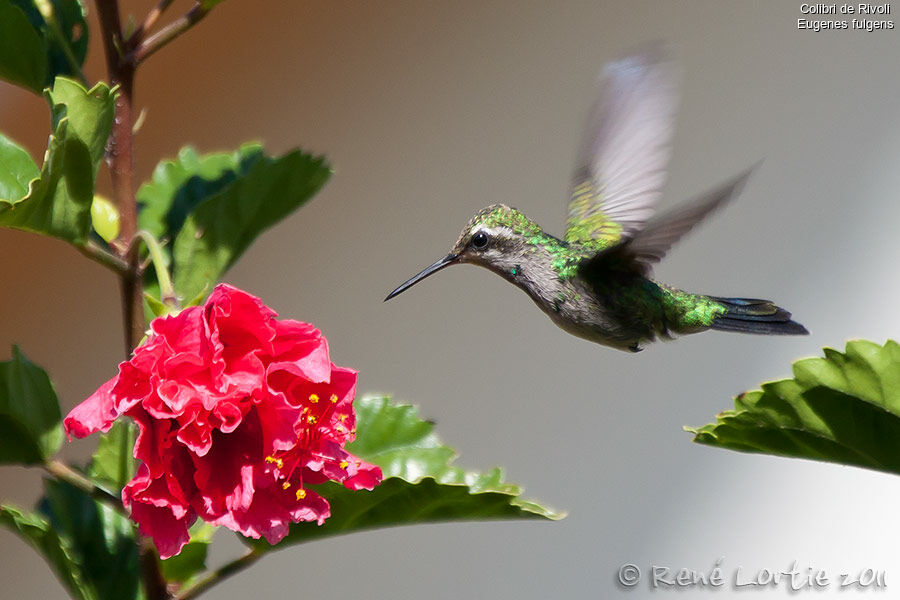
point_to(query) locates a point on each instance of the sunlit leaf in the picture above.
(58, 201)
(842, 408)
(421, 484)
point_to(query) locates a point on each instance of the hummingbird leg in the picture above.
(635, 347)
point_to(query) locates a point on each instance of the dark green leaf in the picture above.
(420, 486)
(113, 464)
(222, 226)
(100, 541)
(30, 429)
(58, 202)
(69, 17)
(40, 535)
(62, 30)
(23, 54)
(842, 408)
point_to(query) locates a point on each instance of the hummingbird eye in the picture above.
(480, 240)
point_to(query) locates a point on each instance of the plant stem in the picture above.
(149, 21)
(166, 290)
(120, 160)
(99, 254)
(64, 472)
(168, 33)
(213, 577)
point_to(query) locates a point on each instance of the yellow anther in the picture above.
(311, 419)
(343, 418)
(278, 462)
(334, 398)
(285, 485)
(344, 464)
(301, 494)
(313, 398)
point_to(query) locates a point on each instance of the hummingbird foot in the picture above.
(635, 347)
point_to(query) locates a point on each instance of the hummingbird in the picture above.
(595, 282)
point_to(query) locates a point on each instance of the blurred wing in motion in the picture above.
(650, 244)
(622, 163)
(639, 251)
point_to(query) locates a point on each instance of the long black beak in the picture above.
(444, 262)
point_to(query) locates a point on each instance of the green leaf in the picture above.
(187, 563)
(90, 113)
(218, 231)
(17, 170)
(58, 201)
(155, 305)
(191, 561)
(67, 35)
(91, 548)
(100, 541)
(179, 185)
(23, 55)
(211, 207)
(40, 535)
(47, 38)
(420, 483)
(214, 206)
(30, 429)
(113, 465)
(842, 408)
(176, 188)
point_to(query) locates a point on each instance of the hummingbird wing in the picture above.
(649, 245)
(623, 157)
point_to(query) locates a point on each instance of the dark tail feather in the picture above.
(749, 315)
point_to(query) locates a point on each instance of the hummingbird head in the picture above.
(496, 238)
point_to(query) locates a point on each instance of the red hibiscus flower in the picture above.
(238, 413)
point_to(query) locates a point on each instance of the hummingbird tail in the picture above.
(750, 315)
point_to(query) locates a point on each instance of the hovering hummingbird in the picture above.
(595, 282)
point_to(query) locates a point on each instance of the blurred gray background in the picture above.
(430, 111)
